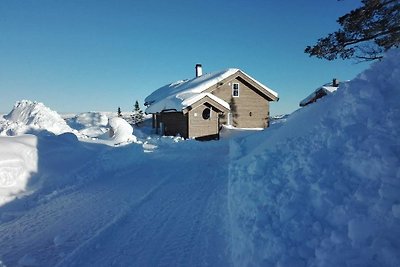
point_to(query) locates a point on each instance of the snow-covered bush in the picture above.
(121, 131)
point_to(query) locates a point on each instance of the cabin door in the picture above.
(229, 122)
(162, 128)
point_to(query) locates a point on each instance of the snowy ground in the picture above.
(89, 202)
(119, 210)
(318, 188)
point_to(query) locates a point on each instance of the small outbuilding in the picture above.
(197, 108)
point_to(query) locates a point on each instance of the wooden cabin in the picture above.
(197, 108)
(320, 92)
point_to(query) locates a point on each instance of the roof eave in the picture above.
(209, 100)
(264, 90)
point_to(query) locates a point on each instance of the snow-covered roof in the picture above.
(190, 101)
(181, 94)
(326, 88)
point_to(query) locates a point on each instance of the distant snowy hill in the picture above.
(320, 187)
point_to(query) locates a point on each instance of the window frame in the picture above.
(233, 89)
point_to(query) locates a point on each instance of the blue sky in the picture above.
(77, 56)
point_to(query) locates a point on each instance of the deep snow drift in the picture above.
(324, 188)
(320, 188)
(121, 131)
(34, 117)
(28, 117)
(18, 162)
(91, 124)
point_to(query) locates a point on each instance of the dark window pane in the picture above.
(206, 113)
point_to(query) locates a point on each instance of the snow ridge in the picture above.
(326, 194)
(29, 116)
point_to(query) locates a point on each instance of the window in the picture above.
(235, 90)
(206, 114)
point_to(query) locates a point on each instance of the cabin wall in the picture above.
(249, 110)
(198, 126)
(173, 123)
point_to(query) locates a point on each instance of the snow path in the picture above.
(150, 213)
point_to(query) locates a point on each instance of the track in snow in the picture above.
(171, 215)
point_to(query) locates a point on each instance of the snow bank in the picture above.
(121, 131)
(45, 165)
(323, 189)
(18, 162)
(91, 124)
(28, 116)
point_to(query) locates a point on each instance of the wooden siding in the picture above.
(174, 123)
(249, 110)
(198, 126)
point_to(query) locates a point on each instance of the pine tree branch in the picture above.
(376, 23)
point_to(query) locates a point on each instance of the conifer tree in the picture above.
(366, 33)
(137, 115)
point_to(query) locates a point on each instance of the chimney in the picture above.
(199, 70)
(335, 82)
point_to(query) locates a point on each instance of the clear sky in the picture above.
(96, 55)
